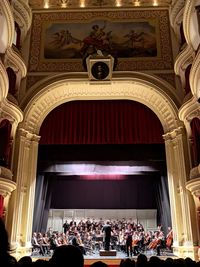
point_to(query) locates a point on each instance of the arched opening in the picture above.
(62, 91)
(94, 128)
(123, 179)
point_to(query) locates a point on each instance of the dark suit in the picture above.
(107, 234)
(66, 227)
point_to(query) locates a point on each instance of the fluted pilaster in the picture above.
(25, 174)
(185, 238)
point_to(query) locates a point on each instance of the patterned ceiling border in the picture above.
(162, 62)
(62, 4)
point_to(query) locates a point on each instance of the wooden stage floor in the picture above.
(113, 260)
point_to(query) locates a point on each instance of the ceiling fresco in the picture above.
(139, 39)
(135, 32)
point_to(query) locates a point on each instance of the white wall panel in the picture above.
(58, 216)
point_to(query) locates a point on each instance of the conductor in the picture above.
(107, 234)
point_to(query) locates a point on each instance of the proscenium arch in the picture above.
(43, 97)
(64, 90)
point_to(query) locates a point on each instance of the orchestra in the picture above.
(126, 236)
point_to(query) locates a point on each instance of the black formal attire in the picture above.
(35, 244)
(66, 227)
(129, 241)
(107, 235)
(76, 244)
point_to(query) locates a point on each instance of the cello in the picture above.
(169, 238)
(153, 244)
(156, 241)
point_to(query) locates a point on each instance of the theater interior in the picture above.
(100, 116)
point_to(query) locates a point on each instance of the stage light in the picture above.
(155, 3)
(46, 3)
(137, 3)
(64, 3)
(103, 177)
(98, 169)
(82, 3)
(118, 3)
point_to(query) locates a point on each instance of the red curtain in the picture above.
(1, 206)
(12, 81)
(183, 40)
(195, 127)
(187, 79)
(101, 122)
(18, 32)
(5, 131)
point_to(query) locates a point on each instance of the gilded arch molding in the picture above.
(59, 92)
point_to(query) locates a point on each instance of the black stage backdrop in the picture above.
(133, 192)
(127, 192)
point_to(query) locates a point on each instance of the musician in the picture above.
(135, 243)
(54, 243)
(49, 232)
(114, 239)
(36, 244)
(140, 227)
(107, 235)
(159, 238)
(77, 242)
(98, 239)
(122, 240)
(129, 234)
(156, 241)
(46, 243)
(147, 239)
(66, 227)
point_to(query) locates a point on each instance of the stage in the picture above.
(112, 260)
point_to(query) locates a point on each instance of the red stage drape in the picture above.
(195, 127)
(187, 79)
(1, 205)
(18, 32)
(12, 81)
(101, 122)
(5, 130)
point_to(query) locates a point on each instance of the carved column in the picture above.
(182, 208)
(25, 162)
(173, 189)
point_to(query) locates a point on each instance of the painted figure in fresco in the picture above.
(98, 39)
(134, 37)
(63, 38)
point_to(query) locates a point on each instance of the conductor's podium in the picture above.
(103, 252)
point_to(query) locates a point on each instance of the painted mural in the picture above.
(119, 39)
(139, 40)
